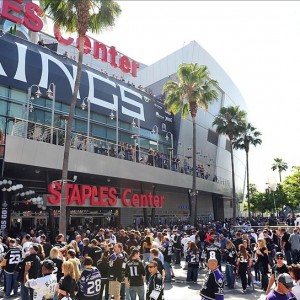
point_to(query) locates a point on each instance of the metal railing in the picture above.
(40, 132)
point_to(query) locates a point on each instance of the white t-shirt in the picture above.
(26, 247)
(296, 290)
(297, 221)
(44, 287)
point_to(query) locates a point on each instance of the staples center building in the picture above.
(121, 123)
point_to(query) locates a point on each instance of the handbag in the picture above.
(3, 263)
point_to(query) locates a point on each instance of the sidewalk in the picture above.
(179, 289)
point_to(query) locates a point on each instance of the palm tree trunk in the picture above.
(233, 185)
(63, 200)
(193, 198)
(248, 189)
(280, 176)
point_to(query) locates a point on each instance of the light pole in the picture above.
(155, 131)
(272, 186)
(51, 95)
(112, 116)
(83, 107)
(29, 104)
(172, 146)
(138, 125)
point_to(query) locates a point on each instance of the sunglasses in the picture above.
(279, 258)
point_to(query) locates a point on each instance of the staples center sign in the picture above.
(29, 14)
(101, 196)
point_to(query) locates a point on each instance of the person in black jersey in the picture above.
(213, 287)
(213, 251)
(95, 252)
(243, 258)
(230, 255)
(135, 276)
(155, 287)
(279, 268)
(115, 271)
(89, 282)
(12, 257)
(193, 259)
(103, 265)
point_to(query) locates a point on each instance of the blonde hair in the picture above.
(54, 252)
(77, 272)
(68, 269)
(263, 241)
(75, 245)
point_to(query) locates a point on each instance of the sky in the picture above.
(255, 42)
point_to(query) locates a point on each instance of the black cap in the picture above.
(48, 264)
(34, 247)
(279, 254)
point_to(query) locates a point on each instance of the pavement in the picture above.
(179, 289)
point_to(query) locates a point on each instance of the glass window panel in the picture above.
(4, 91)
(18, 95)
(81, 127)
(98, 131)
(16, 110)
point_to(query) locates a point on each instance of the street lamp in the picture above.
(272, 186)
(112, 116)
(83, 107)
(137, 125)
(29, 107)
(155, 131)
(172, 146)
(51, 95)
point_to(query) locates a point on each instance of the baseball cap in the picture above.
(34, 247)
(286, 280)
(279, 254)
(48, 264)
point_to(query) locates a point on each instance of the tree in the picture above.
(193, 90)
(231, 121)
(249, 136)
(78, 16)
(291, 188)
(279, 165)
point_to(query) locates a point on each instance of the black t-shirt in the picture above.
(95, 254)
(69, 285)
(230, 256)
(13, 257)
(135, 272)
(57, 267)
(285, 238)
(279, 270)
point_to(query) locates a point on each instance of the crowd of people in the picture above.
(108, 263)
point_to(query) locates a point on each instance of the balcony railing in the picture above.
(42, 133)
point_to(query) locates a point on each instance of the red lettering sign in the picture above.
(102, 196)
(29, 14)
(12, 9)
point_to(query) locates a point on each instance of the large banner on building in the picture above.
(23, 64)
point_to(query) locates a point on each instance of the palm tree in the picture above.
(78, 16)
(248, 137)
(279, 165)
(230, 121)
(192, 91)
